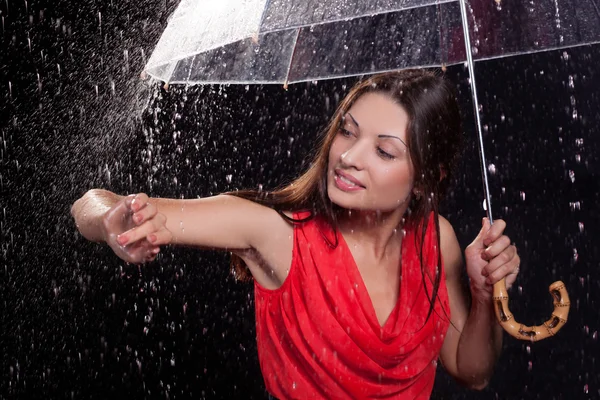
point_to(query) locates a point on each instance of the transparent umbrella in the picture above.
(289, 41)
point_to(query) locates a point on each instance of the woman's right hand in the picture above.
(135, 230)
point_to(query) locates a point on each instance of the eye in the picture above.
(384, 154)
(345, 132)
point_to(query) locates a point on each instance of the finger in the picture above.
(497, 247)
(139, 201)
(511, 267)
(499, 260)
(145, 213)
(160, 237)
(495, 232)
(151, 256)
(139, 232)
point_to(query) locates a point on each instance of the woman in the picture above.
(357, 276)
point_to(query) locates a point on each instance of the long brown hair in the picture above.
(433, 137)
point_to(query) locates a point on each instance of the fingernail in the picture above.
(122, 239)
(134, 205)
(484, 272)
(137, 218)
(152, 238)
(155, 250)
(488, 281)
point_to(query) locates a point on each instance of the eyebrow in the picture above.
(379, 136)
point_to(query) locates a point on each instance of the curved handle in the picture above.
(532, 333)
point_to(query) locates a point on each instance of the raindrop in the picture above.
(228, 178)
(502, 118)
(522, 194)
(575, 255)
(572, 176)
(578, 158)
(492, 169)
(581, 227)
(484, 205)
(571, 82)
(529, 366)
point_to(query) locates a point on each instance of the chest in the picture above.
(381, 280)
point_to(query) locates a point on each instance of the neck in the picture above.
(377, 232)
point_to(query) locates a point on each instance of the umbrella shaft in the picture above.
(486, 186)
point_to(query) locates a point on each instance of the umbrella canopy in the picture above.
(288, 41)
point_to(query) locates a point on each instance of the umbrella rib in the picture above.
(596, 7)
(287, 75)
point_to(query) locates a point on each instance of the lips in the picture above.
(349, 178)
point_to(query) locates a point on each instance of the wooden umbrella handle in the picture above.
(532, 333)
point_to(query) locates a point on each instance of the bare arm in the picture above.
(474, 339)
(136, 226)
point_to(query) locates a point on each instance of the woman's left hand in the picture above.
(491, 258)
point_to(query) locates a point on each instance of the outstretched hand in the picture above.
(135, 230)
(491, 258)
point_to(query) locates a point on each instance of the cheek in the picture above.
(397, 178)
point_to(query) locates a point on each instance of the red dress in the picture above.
(318, 335)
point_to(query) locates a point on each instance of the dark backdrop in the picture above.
(76, 322)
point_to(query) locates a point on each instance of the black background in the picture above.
(76, 322)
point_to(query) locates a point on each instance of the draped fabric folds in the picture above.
(318, 335)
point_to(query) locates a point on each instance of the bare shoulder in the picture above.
(451, 252)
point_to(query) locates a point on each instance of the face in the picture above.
(369, 162)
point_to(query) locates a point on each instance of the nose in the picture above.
(353, 157)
